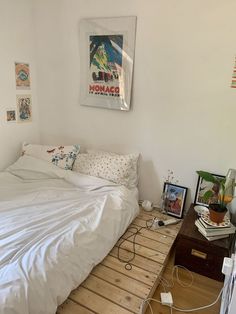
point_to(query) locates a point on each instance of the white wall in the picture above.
(183, 110)
(16, 44)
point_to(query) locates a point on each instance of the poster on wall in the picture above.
(10, 115)
(107, 57)
(24, 108)
(22, 73)
(233, 83)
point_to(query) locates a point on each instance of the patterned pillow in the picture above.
(121, 169)
(61, 156)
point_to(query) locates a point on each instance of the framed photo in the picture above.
(10, 115)
(174, 199)
(24, 108)
(107, 57)
(204, 186)
(22, 72)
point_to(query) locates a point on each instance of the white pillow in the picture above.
(121, 169)
(61, 156)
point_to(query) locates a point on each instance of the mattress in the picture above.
(56, 225)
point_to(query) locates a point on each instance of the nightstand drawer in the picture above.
(200, 258)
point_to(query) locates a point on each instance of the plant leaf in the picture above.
(208, 194)
(221, 181)
(207, 176)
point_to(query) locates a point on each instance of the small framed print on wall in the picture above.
(107, 57)
(22, 73)
(10, 115)
(174, 199)
(24, 108)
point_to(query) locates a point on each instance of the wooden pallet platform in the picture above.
(111, 288)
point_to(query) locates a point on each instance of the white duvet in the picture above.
(55, 226)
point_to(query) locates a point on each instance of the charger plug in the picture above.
(155, 223)
(166, 298)
(227, 266)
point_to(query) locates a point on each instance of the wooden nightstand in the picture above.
(198, 254)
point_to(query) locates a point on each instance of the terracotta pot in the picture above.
(215, 216)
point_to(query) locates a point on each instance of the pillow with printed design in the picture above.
(61, 156)
(120, 169)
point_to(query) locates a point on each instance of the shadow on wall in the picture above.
(148, 177)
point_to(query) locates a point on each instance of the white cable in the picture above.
(180, 282)
(201, 307)
(183, 285)
(164, 283)
(170, 284)
(154, 300)
(150, 307)
(179, 309)
(147, 301)
(204, 306)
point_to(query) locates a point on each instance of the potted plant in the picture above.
(224, 192)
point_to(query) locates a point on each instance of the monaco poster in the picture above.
(106, 73)
(106, 53)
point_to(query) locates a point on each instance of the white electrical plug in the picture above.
(160, 223)
(166, 298)
(227, 266)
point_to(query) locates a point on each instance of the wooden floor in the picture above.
(110, 288)
(203, 291)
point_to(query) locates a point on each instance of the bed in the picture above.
(112, 287)
(56, 225)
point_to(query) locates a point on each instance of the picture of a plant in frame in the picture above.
(219, 195)
(207, 191)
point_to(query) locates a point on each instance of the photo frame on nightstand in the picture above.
(174, 199)
(202, 187)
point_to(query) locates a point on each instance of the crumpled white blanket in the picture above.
(55, 226)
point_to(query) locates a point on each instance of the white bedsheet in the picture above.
(55, 226)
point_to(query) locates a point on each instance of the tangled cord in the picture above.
(128, 265)
(165, 284)
(175, 273)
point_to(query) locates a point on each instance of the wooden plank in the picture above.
(70, 307)
(139, 261)
(120, 280)
(147, 216)
(143, 251)
(156, 213)
(95, 302)
(113, 293)
(153, 213)
(135, 273)
(173, 228)
(149, 243)
(163, 230)
(156, 235)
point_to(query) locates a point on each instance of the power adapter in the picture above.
(227, 266)
(166, 298)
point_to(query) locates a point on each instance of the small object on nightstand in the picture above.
(147, 205)
(199, 209)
